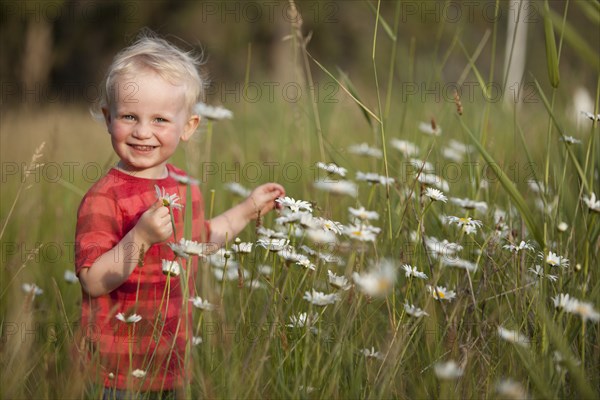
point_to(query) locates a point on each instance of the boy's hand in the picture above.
(154, 225)
(263, 199)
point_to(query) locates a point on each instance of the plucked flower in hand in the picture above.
(168, 200)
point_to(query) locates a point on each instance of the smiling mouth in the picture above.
(142, 148)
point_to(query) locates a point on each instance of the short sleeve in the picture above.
(99, 223)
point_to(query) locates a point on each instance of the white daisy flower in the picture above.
(459, 146)
(130, 319)
(363, 214)
(202, 304)
(230, 273)
(521, 246)
(409, 271)
(168, 200)
(320, 298)
(338, 282)
(452, 154)
(407, 148)
(274, 245)
(511, 389)
(329, 225)
(364, 149)
(211, 112)
(292, 217)
(536, 186)
(371, 353)
(138, 373)
(561, 362)
(513, 336)
(441, 293)
(435, 195)
(459, 263)
(291, 256)
(469, 204)
(330, 258)
(302, 320)
(306, 389)
(467, 224)
(221, 258)
(242, 247)
(562, 226)
(433, 180)
(185, 248)
(196, 340)
(592, 203)
(237, 189)
(419, 165)
(555, 260)
(571, 305)
(265, 269)
(332, 168)
(442, 248)
(414, 311)
(337, 187)
(456, 150)
(561, 300)
(70, 276)
(294, 205)
(374, 178)
(255, 284)
(539, 271)
(185, 179)
(448, 370)
(321, 236)
(32, 288)
(591, 116)
(570, 140)
(363, 233)
(431, 129)
(269, 233)
(171, 268)
(377, 282)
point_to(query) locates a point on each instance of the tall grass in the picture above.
(248, 348)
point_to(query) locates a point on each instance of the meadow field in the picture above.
(437, 242)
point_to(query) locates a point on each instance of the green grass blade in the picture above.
(576, 41)
(478, 75)
(580, 171)
(510, 188)
(551, 53)
(346, 80)
(591, 9)
(386, 26)
(344, 88)
(556, 337)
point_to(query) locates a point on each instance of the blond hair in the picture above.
(151, 52)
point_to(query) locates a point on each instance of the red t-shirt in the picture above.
(156, 344)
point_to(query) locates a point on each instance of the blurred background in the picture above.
(57, 51)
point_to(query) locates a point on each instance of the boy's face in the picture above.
(146, 120)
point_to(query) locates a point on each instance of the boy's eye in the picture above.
(159, 119)
(128, 117)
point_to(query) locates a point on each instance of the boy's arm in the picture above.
(113, 267)
(229, 224)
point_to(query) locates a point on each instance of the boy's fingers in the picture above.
(157, 204)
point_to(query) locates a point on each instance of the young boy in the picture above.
(133, 313)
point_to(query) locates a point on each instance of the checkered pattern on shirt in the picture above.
(157, 343)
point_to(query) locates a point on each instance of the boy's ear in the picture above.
(190, 127)
(107, 118)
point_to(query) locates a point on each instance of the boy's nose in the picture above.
(142, 131)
